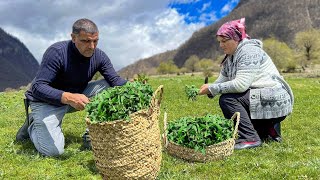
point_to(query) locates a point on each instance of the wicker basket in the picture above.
(129, 150)
(213, 152)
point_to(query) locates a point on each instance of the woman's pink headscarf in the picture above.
(235, 30)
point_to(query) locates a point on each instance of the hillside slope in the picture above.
(264, 19)
(18, 66)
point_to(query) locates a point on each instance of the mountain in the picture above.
(264, 19)
(147, 65)
(18, 66)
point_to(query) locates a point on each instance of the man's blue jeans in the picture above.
(45, 129)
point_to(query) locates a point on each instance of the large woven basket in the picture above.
(129, 150)
(213, 152)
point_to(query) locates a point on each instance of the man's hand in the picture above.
(77, 101)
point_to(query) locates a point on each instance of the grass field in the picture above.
(297, 157)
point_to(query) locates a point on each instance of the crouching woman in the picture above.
(250, 83)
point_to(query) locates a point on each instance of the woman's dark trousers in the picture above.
(249, 129)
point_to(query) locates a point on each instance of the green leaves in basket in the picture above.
(199, 132)
(191, 92)
(119, 102)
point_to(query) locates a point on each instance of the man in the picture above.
(62, 85)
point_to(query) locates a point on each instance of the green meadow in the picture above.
(297, 157)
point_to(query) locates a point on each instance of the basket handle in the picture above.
(164, 135)
(154, 101)
(236, 117)
(159, 91)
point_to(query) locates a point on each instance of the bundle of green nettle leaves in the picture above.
(191, 92)
(200, 132)
(119, 102)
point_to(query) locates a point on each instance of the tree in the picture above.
(206, 66)
(308, 43)
(280, 53)
(167, 67)
(191, 62)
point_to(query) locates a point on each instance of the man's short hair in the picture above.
(85, 25)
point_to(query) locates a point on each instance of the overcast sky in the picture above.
(129, 29)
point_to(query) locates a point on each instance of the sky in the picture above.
(129, 30)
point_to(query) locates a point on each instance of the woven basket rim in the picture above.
(118, 121)
(154, 102)
(212, 153)
(208, 147)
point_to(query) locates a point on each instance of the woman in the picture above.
(249, 83)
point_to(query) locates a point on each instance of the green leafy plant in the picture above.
(191, 92)
(199, 132)
(142, 77)
(119, 102)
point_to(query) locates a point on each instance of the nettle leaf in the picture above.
(199, 132)
(191, 92)
(119, 102)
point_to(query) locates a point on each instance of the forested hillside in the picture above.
(18, 66)
(264, 19)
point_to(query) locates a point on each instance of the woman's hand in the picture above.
(204, 89)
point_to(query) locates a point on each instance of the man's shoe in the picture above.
(86, 140)
(246, 145)
(22, 133)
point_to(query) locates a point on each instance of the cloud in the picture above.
(166, 31)
(205, 6)
(129, 30)
(208, 17)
